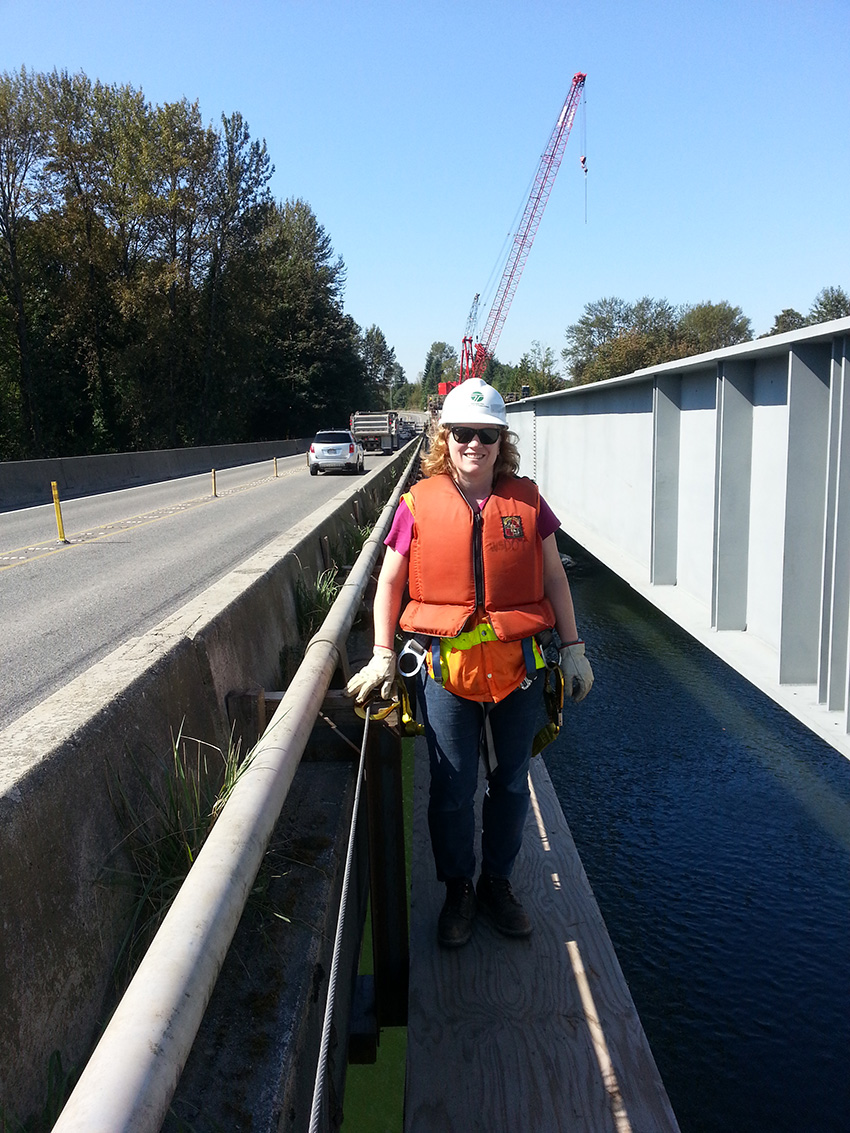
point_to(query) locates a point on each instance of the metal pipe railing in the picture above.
(128, 1083)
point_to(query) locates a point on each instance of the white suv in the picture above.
(335, 448)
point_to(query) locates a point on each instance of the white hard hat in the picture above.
(473, 402)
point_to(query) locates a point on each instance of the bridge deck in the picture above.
(537, 1034)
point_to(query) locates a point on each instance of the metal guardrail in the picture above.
(128, 1083)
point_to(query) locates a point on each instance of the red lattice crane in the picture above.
(472, 365)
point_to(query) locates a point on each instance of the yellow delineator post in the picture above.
(213, 482)
(275, 467)
(57, 507)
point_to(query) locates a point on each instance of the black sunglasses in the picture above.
(463, 434)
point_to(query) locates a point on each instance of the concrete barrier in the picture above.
(26, 483)
(62, 923)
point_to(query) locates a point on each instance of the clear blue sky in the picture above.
(717, 140)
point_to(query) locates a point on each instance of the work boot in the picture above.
(454, 927)
(498, 900)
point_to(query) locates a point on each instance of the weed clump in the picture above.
(167, 819)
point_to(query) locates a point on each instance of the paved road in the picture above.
(132, 558)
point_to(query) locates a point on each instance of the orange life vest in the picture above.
(461, 560)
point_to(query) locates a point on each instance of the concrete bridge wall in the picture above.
(26, 483)
(719, 487)
(61, 921)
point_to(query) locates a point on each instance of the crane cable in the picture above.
(498, 269)
(321, 1069)
(584, 146)
(487, 291)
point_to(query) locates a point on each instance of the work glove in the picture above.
(379, 673)
(578, 675)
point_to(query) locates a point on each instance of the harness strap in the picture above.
(436, 660)
(529, 656)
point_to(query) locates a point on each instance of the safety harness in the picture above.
(399, 715)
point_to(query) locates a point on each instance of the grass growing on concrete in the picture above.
(166, 829)
(314, 600)
(351, 543)
(60, 1083)
(312, 603)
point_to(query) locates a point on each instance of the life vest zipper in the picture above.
(478, 557)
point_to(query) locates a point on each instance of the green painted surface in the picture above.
(374, 1095)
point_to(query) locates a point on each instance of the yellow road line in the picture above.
(82, 539)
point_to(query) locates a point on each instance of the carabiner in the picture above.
(376, 713)
(404, 723)
(409, 725)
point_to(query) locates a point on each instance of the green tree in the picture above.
(711, 326)
(502, 376)
(22, 151)
(829, 303)
(543, 376)
(310, 370)
(413, 398)
(602, 322)
(614, 337)
(441, 365)
(77, 177)
(151, 291)
(239, 203)
(537, 369)
(430, 378)
(123, 133)
(629, 351)
(787, 319)
(379, 370)
(401, 388)
(657, 319)
(164, 300)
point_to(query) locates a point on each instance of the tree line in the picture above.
(153, 294)
(536, 370)
(615, 337)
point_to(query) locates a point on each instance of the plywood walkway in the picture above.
(524, 1036)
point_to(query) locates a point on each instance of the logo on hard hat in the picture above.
(476, 397)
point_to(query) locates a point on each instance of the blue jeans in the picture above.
(457, 732)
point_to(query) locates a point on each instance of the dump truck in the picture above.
(377, 432)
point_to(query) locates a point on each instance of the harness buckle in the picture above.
(550, 646)
(412, 657)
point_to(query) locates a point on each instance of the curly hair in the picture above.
(437, 461)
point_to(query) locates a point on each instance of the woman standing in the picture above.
(475, 545)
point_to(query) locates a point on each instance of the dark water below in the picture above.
(715, 831)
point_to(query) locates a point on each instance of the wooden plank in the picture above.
(337, 735)
(539, 1034)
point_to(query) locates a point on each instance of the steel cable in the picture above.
(321, 1069)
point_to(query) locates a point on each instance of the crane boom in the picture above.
(546, 171)
(466, 354)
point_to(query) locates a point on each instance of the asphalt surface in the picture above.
(132, 558)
